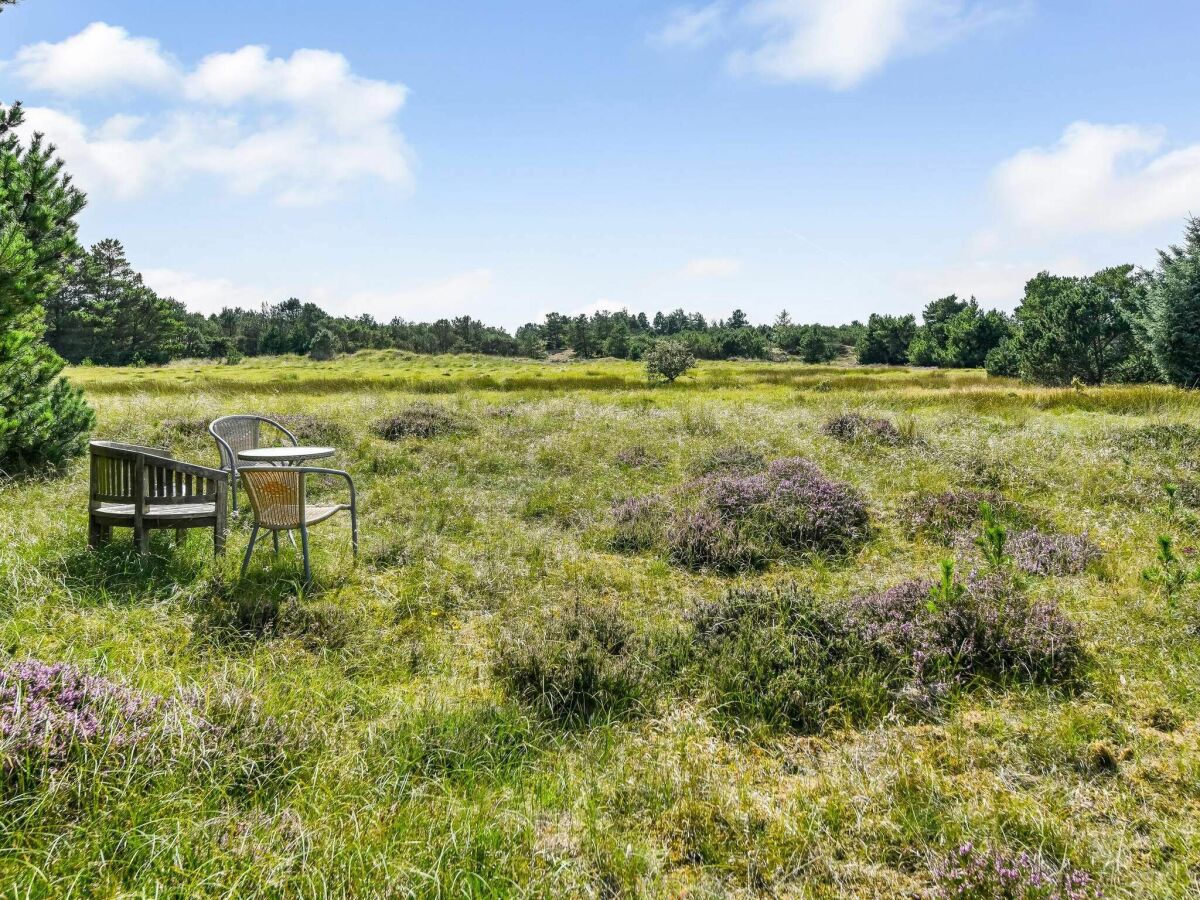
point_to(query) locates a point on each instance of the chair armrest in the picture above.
(317, 470)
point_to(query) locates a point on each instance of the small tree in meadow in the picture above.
(667, 360)
(323, 346)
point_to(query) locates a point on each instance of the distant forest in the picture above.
(1122, 324)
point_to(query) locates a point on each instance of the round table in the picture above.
(285, 456)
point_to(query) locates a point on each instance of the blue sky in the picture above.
(831, 157)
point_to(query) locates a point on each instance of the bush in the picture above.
(1037, 553)
(781, 658)
(807, 510)
(944, 635)
(701, 539)
(584, 663)
(1172, 305)
(945, 515)
(666, 360)
(972, 873)
(854, 427)
(637, 523)
(420, 420)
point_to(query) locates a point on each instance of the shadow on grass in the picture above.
(117, 574)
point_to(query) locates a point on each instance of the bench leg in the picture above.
(218, 540)
(141, 537)
(179, 536)
(95, 534)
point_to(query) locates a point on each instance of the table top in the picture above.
(285, 454)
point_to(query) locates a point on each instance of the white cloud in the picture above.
(467, 293)
(692, 26)
(300, 128)
(838, 43)
(100, 58)
(601, 305)
(206, 295)
(711, 267)
(1099, 178)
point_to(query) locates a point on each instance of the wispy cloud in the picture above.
(710, 267)
(838, 43)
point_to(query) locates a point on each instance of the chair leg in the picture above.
(275, 541)
(249, 548)
(304, 547)
(354, 530)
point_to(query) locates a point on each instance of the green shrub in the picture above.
(785, 660)
(666, 360)
(586, 662)
(420, 420)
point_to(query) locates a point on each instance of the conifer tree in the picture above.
(43, 420)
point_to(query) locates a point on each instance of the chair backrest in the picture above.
(276, 495)
(237, 433)
(127, 473)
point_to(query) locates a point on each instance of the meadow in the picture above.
(529, 685)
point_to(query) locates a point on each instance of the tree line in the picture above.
(104, 313)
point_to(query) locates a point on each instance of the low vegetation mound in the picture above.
(1037, 553)
(943, 516)
(851, 428)
(731, 523)
(782, 658)
(420, 420)
(574, 667)
(736, 459)
(979, 873)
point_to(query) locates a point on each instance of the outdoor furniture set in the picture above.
(146, 488)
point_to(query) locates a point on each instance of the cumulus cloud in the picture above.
(206, 295)
(711, 267)
(692, 26)
(838, 43)
(1099, 178)
(300, 128)
(100, 58)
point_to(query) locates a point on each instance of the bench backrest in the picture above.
(143, 476)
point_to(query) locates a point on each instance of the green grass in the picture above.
(369, 748)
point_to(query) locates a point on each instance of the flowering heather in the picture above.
(1036, 553)
(701, 539)
(637, 457)
(972, 873)
(637, 523)
(807, 510)
(943, 515)
(987, 629)
(48, 712)
(420, 420)
(852, 427)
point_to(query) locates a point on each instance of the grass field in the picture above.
(413, 726)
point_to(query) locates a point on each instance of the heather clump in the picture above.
(576, 665)
(1037, 553)
(978, 873)
(637, 523)
(701, 539)
(53, 714)
(731, 523)
(420, 420)
(784, 659)
(943, 516)
(945, 634)
(310, 429)
(637, 457)
(850, 428)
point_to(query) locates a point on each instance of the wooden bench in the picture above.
(144, 488)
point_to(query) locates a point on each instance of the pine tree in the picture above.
(1173, 302)
(43, 421)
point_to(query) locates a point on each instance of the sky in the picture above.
(829, 157)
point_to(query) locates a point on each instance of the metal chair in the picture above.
(237, 433)
(278, 498)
